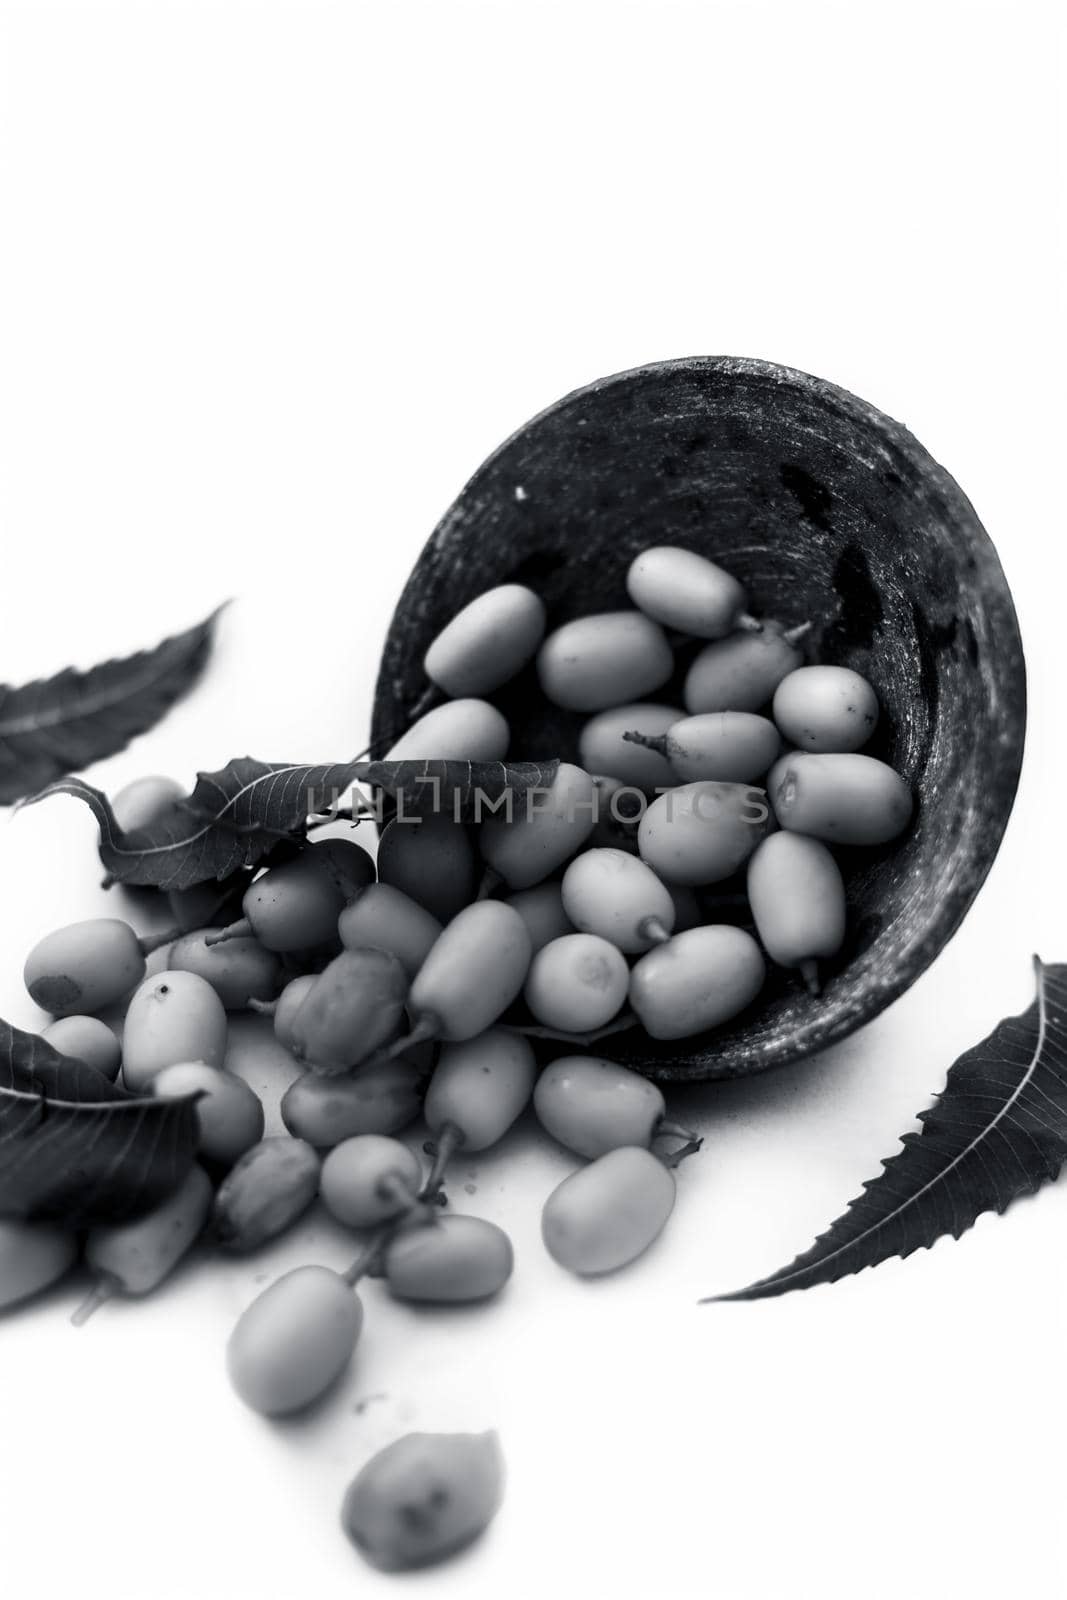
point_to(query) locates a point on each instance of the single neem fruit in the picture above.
(368, 1179)
(577, 983)
(593, 1106)
(480, 1086)
(432, 860)
(844, 799)
(86, 966)
(618, 897)
(826, 708)
(540, 829)
(86, 1039)
(798, 902)
(355, 1005)
(695, 981)
(143, 801)
(607, 1214)
(239, 970)
(472, 974)
(460, 730)
(379, 1097)
(604, 660)
(702, 832)
(387, 919)
(294, 1340)
(603, 748)
(229, 1113)
(133, 1258)
(423, 1498)
(687, 592)
(174, 1016)
(450, 1259)
(488, 642)
(725, 746)
(295, 905)
(741, 672)
(269, 1188)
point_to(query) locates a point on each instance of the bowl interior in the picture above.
(827, 511)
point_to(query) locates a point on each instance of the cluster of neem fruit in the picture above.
(395, 988)
(663, 809)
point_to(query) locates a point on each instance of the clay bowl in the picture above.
(826, 510)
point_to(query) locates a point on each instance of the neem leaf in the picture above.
(77, 1149)
(998, 1130)
(234, 817)
(459, 789)
(56, 725)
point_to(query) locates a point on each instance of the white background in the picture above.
(273, 280)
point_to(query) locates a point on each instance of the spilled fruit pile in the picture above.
(645, 888)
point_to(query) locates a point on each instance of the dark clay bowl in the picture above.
(826, 510)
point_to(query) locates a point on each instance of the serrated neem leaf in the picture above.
(231, 820)
(463, 790)
(74, 1147)
(234, 817)
(998, 1130)
(56, 725)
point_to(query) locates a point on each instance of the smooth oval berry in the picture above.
(290, 1000)
(607, 1214)
(432, 860)
(844, 799)
(355, 1005)
(702, 832)
(741, 672)
(380, 1097)
(481, 1086)
(604, 660)
(134, 1257)
(295, 906)
(488, 642)
(423, 1498)
(695, 981)
(686, 591)
(577, 983)
(33, 1255)
(84, 967)
(618, 897)
(541, 908)
(593, 1106)
(229, 1113)
(294, 1340)
(452, 1258)
(798, 900)
(602, 748)
(263, 1195)
(144, 801)
(368, 1179)
(725, 746)
(239, 970)
(541, 829)
(174, 1016)
(387, 919)
(826, 708)
(86, 1039)
(460, 730)
(474, 971)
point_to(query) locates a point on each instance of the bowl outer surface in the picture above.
(829, 512)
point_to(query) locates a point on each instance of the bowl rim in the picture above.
(805, 1038)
